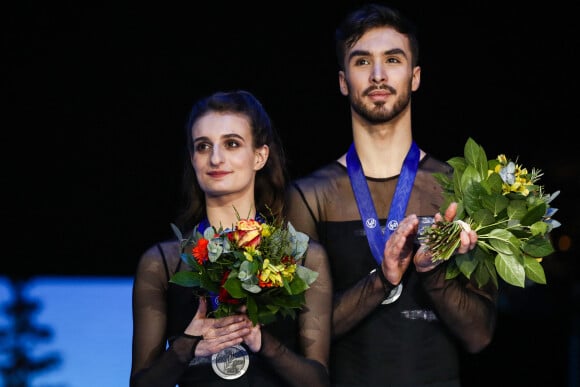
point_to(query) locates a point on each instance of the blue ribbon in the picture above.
(366, 207)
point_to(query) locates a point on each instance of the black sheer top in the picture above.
(162, 311)
(415, 340)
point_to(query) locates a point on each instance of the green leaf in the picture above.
(503, 241)
(252, 309)
(306, 274)
(190, 261)
(176, 232)
(208, 284)
(493, 184)
(452, 270)
(534, 214)
(234, 287)
(483, 217)
(538, 247)
(444, 181)
(539, 228)
(298, 285)
(186, 278)
(458, 164)
(534, 270)
(511, 269)
(496, 203)
(471, 198)
(457, 187)
(476, 157)
(470, 176)
(517, 209)
(487, 266)
(466, 264)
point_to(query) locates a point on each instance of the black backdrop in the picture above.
(96, 96)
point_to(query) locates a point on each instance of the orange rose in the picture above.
(248, 233)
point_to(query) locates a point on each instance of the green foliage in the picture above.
(254, 264)
(502, 203)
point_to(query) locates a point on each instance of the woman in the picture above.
(235, 166)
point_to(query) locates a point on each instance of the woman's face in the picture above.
(224, 158)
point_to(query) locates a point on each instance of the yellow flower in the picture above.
(288, 272)
(266, 230)
(271, 274)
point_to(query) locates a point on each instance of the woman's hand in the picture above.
(217, 333)
(254, 338)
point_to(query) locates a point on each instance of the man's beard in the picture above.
(379, 114)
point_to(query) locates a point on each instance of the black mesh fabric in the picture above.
(415, 340)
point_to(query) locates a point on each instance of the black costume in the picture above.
(162, 310)
(414, 340)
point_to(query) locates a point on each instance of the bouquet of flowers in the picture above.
(256, 264)
(507, 208)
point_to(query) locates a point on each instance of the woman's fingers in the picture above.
(202, 308)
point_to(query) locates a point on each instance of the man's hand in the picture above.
(423, 258)
(398, 250)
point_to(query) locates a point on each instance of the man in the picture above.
(397, 320)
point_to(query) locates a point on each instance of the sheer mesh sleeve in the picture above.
(152, 364)
(469, 312)
(351, 305)
(314, 331)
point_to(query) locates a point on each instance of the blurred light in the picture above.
(564, 243)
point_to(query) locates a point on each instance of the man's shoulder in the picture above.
(431, 164)
(327, 174)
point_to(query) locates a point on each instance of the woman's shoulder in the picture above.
(316, 254)
(163, 253)
(166, 247)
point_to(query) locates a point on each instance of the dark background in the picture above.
(96, 97)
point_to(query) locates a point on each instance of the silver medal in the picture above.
(231, 362)
(394, 294)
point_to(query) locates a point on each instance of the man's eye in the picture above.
(361, 62)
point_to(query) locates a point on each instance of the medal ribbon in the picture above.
(366, 207)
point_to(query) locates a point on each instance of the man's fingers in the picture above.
(451, 211)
